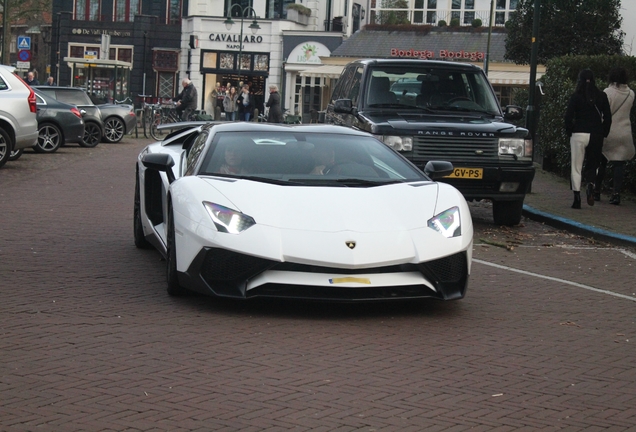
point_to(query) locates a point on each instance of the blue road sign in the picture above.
(24, 42)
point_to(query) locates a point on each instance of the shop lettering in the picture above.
(444, 54)
(235, 38)
(97, 32)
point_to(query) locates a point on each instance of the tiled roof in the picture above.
(379, 43)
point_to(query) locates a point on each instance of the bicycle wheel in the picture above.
(154, 131)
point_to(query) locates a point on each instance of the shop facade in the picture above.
(436, 44)
(114, 50)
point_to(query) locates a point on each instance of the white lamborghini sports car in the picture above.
(320, 212)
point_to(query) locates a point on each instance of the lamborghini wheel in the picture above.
(174, 289)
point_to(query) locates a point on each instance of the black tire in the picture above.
(174, 288)
(114, 130)
(140, 239)
(6, 146)
(154, 132)
(507, 213)
(92, 135)
(50, 138)
(15, 154)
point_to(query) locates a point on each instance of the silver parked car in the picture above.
(18, 123)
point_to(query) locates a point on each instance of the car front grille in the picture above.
(455, 149)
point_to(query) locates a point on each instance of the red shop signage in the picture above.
(443, 54)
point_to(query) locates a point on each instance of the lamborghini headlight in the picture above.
(227, 220)
(398, 143)
(448, 223)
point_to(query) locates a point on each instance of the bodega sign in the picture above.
(443, 54)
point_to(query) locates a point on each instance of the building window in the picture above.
(174, 12)
(125, 10)
(165, 84)
(87, 10)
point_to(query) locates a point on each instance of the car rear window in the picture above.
(73, 97)
(3, 84)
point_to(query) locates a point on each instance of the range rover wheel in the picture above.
(507, 213)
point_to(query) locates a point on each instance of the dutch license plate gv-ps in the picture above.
(467, 173)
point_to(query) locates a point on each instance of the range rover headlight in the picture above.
(448, 223)
(227, 220)
(398, 143)
(512, 146)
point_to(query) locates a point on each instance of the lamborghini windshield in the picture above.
(431, 89)
(301, 158)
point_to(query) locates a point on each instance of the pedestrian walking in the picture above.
(618, 147)
(229, 104)
(275, 114)
(587, 122)
(245, 103)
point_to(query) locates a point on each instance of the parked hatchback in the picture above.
(18, 124)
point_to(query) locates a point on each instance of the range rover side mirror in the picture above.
(343, 106)
(513, 113)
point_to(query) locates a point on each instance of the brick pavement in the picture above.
(90, 341)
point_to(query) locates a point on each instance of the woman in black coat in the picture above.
(245, 104)
(275, 114)
(587, 122)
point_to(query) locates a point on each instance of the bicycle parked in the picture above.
(165, 114)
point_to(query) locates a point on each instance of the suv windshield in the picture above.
(431, 88)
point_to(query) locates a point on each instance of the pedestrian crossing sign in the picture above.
(24, 42)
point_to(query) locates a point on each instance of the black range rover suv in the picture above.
(436, 110)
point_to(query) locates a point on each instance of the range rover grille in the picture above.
(453, 148)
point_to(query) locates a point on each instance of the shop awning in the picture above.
(510, 78)
(324, 71)
(98, 62)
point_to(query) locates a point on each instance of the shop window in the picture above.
(125, 10)
(87, 10)
(174, 12)
(469, 17)
(209, 60)
(274, 9)
(431, 17)
(418, 17)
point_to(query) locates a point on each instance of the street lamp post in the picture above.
(245, 12)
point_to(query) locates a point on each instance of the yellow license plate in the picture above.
(467, 173)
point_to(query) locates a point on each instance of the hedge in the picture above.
(559, 82)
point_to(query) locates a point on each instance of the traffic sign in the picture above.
(90, 55)
(24, 42)
(23, 65)
(24, 55)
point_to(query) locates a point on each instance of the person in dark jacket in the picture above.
(31, 79)
(275, 114)
(588, 119)
(186, 100)
(245, 103)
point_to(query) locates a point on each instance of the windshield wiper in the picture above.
(364, 182)
(462, 109)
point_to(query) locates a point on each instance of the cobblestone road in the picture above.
(90, 341)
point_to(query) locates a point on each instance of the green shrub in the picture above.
(559, 82)
(476, 23)
(442, 23)
(454, 22)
